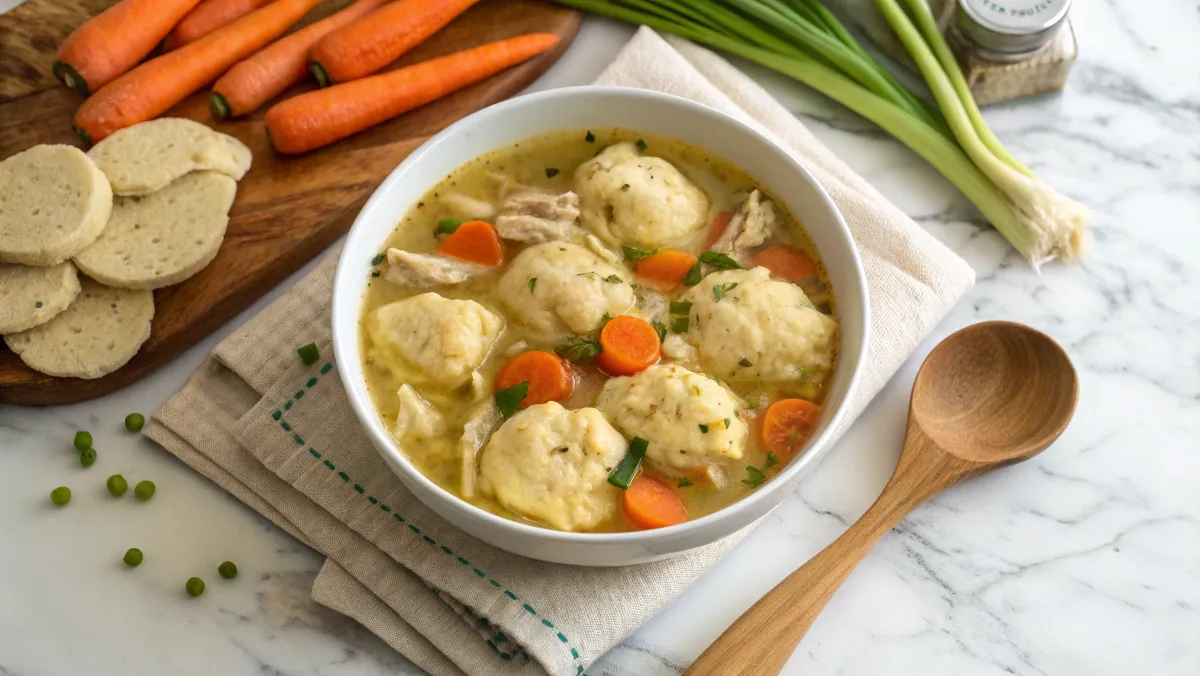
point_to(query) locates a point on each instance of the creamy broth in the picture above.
(548, 163)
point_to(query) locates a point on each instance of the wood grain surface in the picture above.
(287, 210)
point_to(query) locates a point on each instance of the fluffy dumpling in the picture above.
(431, 339)
(690, 420)
(756, 328)
(551, 465)
(639, 200)
(556, 287)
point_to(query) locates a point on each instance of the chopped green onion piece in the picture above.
(551, 172)
(377, 259)
(632, 253)
(509, 399)
(719, 261)
(679, 324)
(684, 483)
(754, 476)
(693, 276)
(660, 329)
(447, 226)
(309, 354)
(579, 349)
(532, 283)
(623, 474)
(704, 429)
(590, 138)
(641, 145)
(680, 307)
(375, 273)
(772, 459)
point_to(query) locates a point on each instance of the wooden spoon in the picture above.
(990, 395)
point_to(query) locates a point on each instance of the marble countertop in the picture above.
(1085, 560)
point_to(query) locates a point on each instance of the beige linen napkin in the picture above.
(281, 437)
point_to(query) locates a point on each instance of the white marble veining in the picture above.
(1085, 560)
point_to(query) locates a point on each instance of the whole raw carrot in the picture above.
(113, 41)
(208, 17)
(379, 38)
(278, 66)
(320, 117)
(153, 87)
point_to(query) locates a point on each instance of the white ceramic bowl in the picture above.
(582, 108)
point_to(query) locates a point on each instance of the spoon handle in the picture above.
(760, 642)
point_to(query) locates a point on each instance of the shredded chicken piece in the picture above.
(750, 226)
(469, 208)
(414, 269)
(479, 426)
(593, 242)
(675, 347)
(416, 417)
(537, 217)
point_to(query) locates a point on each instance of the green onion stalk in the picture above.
(803, 40)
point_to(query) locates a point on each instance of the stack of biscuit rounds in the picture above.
(145, 208)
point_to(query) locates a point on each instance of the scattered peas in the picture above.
(117, 485)
(60, 496)
(133, 559)
(227, 570)
(83, 441)
(194, 586)
(144, 490)
(87, 457)
(134, 422)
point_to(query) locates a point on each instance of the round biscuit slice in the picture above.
(151, 155)
(53, 203)
(164, 237)
(34, 296)
(98, 334)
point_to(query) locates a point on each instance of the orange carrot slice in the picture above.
(262, 77)
(785, 262)
(208, 17)
(476, 242)
(650, 503)
(630, 345)
(787, 425)
(666, 269)
(114, 41)
(719, 223)
(318, 118)
(153, 87)
(374, 41)
(549, 377)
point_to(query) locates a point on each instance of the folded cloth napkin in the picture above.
(281, 437)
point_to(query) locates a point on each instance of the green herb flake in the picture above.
(754, 476)
(727, 423)
(579, 349)
(772, 459)
(590, 138)
(633, 253)
(745, 362)
(375, 273)
(37, 303)
(614, 279)
(604, 320)
(661, 330)
(751, 404)
(532, 283)
(625, 187)
(719, 260)
(684, 483)
(509, 399)
(693, 275)
(378, 259)
(720, 290)
(551, 172)
(622, 476)
(447, 226)
(704, 429)
(641, 145)
(309, 354)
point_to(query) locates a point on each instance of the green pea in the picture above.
(87, 457)
(134, 422)
(227, 570)
(144, 490)
(194, 586)
(117, 485)
(83, 441)
(133, 558)
(60, 496)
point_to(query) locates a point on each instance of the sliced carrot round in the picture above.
(475, 242)
(785, 262)
(666, 269)
(630, 345)
(719, 223)
(788, 424)
(651, 503)
(549, 377)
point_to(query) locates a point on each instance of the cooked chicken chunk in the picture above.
(413, 269)
(690, 420)
(638, 200)
(431, 339)
(468, 208)
(417, 418)
(479, 425)
(552, 465)
(559, 287)
(538, 217)
(751, 225)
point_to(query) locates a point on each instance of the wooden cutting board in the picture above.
(287, 210)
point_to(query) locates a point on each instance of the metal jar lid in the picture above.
(1010, 30)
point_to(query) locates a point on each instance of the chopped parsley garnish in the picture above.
(633, 253)
(684, 483)
(720, 289)
(309, 354)
(623, 474)
(579, 349)
(751, 404)
(704, 429)
(614, 279)
(38, 303)
(509, 399)
(641, 145)
(624, 187)
(532, 283)
(604, 320)
(447, 226)
(744, 362)
(377, 259)
(719, 261)
(660, 329)
(551, 172)
(727, 422)
(754, 476)
(375, 273)
(772, 459)
(693, 275)
(590, 138)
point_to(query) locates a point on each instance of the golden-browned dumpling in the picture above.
(551, 465)
(637, 199)
(688, 419)
(558, 287)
